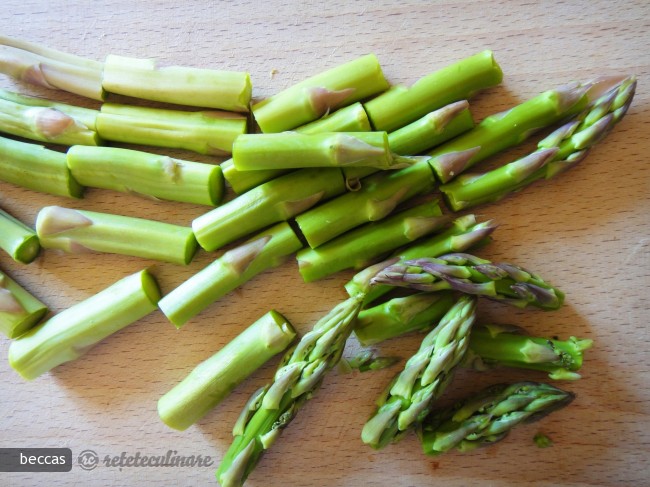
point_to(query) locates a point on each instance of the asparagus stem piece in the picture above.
(502, 130)
(49, 68)
(213, 380)
(402, 105)
(469, 274)
(272, 202)
(35, 167)
(142, 78)
(561, 150)
(76, 231)
(377, 198)
(489, 416)
(71, 333)
(463, 234)
(19, 310)
(205, 132)
(44, 121)
(17, 239)
(492, 345)
(409, 398)
(401, 315)
(321, 94)
(237, 266)
(359, 247)
(352, 118)
(151, 175)
(292, 150)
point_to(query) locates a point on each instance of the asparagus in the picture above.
(561, 150)
(71, 333)
(19, 310)
(45, 121)
(366, 361)
(17, 239)
(489, 416)
(469, 274)
(205, 132)
(237, 266)
(317, 96)
(502, 130)
(402, 105)
(76, 231)
(272, 202)
(492, 345)
(213, 379)
(358, 247)
(146, 174)
(37, 168)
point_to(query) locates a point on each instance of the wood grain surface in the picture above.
(587, 232)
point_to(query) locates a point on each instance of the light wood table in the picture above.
(587, 232)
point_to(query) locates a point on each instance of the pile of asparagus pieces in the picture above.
(343, 174)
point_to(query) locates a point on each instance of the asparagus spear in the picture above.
(237, 266)
(469, 274)
(17, 239)
(213, 379)
(402, 105)
(556, 153)
(425, 376)
(317, 96)
(19, 310)
(71, 333)
(35, 167)
(489, 416)
(151, 175)
(502, 130)
(45, 121)
(75, 231)
(358, 247)
(205, 132)
(272, 202)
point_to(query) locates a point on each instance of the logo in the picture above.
(87, 460)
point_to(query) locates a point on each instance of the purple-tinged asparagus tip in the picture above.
(570, 94)
(468, 287)
(467, 240)
(440, 118)
(592, 135)
(491, 271)
(524, 167)
(557, 136)
(536, 294)
(447, 166)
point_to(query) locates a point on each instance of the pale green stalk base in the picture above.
(149, 175)
(71, 333)
(78, 231)
(213, 380)
(19, 310)
(17, 239)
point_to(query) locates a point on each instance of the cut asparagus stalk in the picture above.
(402, 105)
(349, 119)
(142, 78)
(561, 150)
(76, 231)
(45, 121)
(272, 202)
(489, 416)
(378, 197)
(19, 310)
(321, 94)
(399, 316)
(205, 132)
(494, 345)
(213, 380)
(150, 175)
(37, 168)
(237, 266)
(71, 333)
(49, 68)
(17, 239)
(410, 396)
(507, 129)
(359, 247)
(469, 274)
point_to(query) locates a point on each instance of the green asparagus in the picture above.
(19, 310)
(17, 239)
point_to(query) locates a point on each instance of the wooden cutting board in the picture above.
(587, 232)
